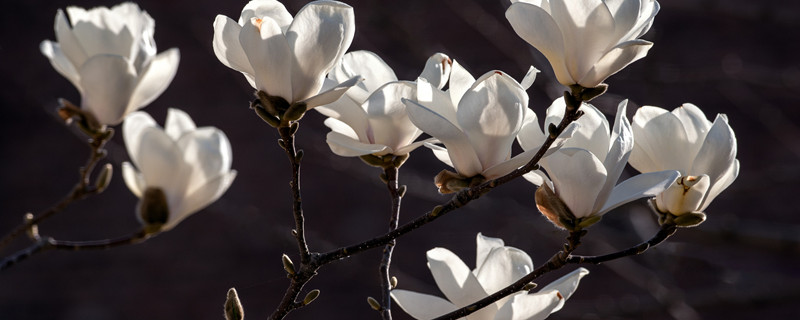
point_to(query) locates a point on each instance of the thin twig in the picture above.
(80, 191)
(47, 243)
(391, 173)
(665, 232)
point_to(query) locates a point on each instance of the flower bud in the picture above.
(105, 178)
(374, 304)
(311, 296)
(684, 196)
(554, 209)
(288, 265)
(153, 209)
(233, 307)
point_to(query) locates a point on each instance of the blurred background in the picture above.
(737, 57)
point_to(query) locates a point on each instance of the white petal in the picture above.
(530, 135)
(526, 306)
(626, 13)
(101, 31)
(727, 178)
(536, 177)
(270, 55)
(654, 150)
(587, 27)
(132, 129)
(566, 285)
(527, 81)
(684, 195)
(388, 120)
(484, 246)
(617, 157)
(410, 147)
(436, 100)
(460, 81)
(154, 79)
(133, 179)
(578, 177)
(437, 70)
(535, 25)
(227, 47)
(332, 94)
(201, 198)
(502, 267)
(345, 146)
(454, 278)
(68, 42)
(107, 82)
(717, 152)
(319, 36)
(178, 123)
(342, 127)
(266, 9)
(614, 60)
(369, 66)
(160, 161)
(490, 114)
(421, 306)
(347, 111)
(53, 51)
(694, 121)
(440, 153)
(639, 186)
(207, 152)
(460, 151)
(593, 133)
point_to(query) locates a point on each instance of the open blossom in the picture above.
(476, 120)
(581, 180)
(110, 57)
(284, 56)
(181, 168)
(586, 41)
(684, 140)
(371, 117)
(497, 267)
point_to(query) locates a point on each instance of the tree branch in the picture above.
(386, 261)
(665, 232)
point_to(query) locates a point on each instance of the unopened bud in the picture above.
(233, 307)
(393, 282)
(288, 265)
(311, 296)
(153, 209)
(104, 178)
(449, 182)
(530, 286)
(374, 304)
(552, 129)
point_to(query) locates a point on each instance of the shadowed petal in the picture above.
(178, 122)
(268, 52)
(227, 47)
(566, 285)
(133, 179)
(422, 306)
(642, 185)
(454, 278)
(154, 79)
(107, 82)
(525, 306)
(578, 177)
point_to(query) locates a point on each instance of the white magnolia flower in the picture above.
(284, 56)
(498, 266)
(110, 56)
(476, 120)
(585, 41)
(684, 140)
(583, 174)
(190, 165)
(371, 118)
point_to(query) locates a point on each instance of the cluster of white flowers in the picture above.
(685, 160)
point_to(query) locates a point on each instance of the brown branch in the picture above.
(81, 190)
(386, 261)
(665, 232)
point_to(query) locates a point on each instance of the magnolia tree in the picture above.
(469, 121)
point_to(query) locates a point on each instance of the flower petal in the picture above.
(154, 79)
(593, 133)
(460, 151)
(207, 152)
(201, 198)
(694, 122)
(524, 306)
(102, 31)
(160, 161)
(654, 150)
(566, 285)
(346, 146)
(614, 60)
(536, 26)
(132, 129)
(484, 247)
(422, 306)
(490, 114)
(717, 152)
(133, 179)
(178, 123)
(530, 135)
(617, 157)
(454, 278)
(530, 76)
(60, 62)
(437, 70)
(319, 36)
(330, 95)
(369, 66)
(227, 47)
(266, 9)
(270, 56)
(460, 81)
(578, 176)
(388, 120)
(727, 178)
(587, 28)
(639, 186)
(502, 267)
(107, 82)
(69, 44)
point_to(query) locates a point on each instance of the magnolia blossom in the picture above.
(371, 117)
(498, 266)
(583, 174)
(586, 41)
(284, 56)
(684, 140)
(476, 120)
(188, 166)
(110, 56)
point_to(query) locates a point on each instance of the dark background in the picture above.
(727, 56)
